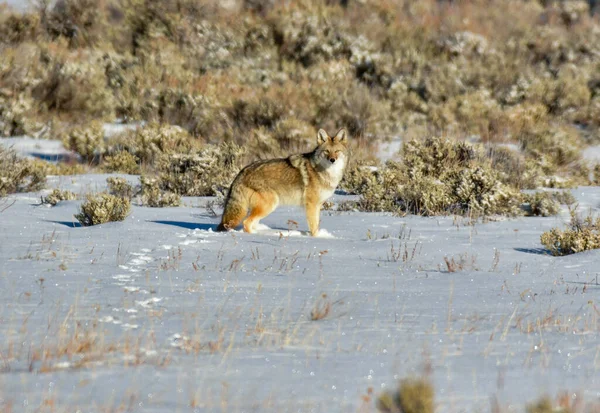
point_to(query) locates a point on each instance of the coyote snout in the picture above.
(304, 179)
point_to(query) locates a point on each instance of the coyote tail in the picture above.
(235, 210)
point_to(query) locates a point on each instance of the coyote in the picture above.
(303, 179)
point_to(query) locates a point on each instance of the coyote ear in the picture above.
(322, 137)
(341, 136)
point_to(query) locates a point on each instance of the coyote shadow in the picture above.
(188, 225)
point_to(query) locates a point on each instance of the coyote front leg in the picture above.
(313, 212)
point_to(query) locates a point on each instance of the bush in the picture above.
(18, 175)
(250, 114)
(412, 396)
(120, 187)
(75, 88)
(57, 195)
(77, 21)
(289, 136)
(14, 116)
(58, 169)
(17, 27)
(581, 235)
(102, 208)
(545, 405)
(123, 162)
(540, 203)
(308, 39)
(194, 113)
(207, 172)
(88, 142)
(153, 196)
(150, 142)
(437, 176)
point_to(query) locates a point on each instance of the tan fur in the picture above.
(304, 179)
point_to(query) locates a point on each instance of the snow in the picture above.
(180, 315)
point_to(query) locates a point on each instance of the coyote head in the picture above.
(331, 149)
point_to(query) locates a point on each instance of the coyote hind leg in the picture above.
(263, 204)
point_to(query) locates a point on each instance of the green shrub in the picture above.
(57, 195)
(207, 172)
(18, 175)
(102, 208)
(120, 187)
(123, 162)
(153, 196)
(581, 235)
(412, 396)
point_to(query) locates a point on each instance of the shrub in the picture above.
(437, 176)
(194, 113)
(289, 136)
(545, 405)
(581, 235)
(14, 116)
(101, 208)
(358, 177)
(540, 204)
(17, 27)
(75, 20)
(553, 146)
(262, 112)
(596, 173)
(57, 195)
(207, 172)
(18, 175)
(123, 162)
(72, 87)
(88, 142)
(120, 187)
(514, 168)
(308, 39)
(148, 143)
(58, 169)
(153, 196)
(412, 396)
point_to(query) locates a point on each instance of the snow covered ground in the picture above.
(161, 314)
